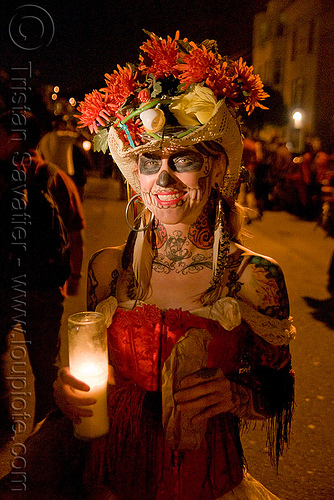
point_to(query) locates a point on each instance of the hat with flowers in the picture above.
(178, 94)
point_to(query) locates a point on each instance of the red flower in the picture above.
(134, 127)
(144, 95)
(160, 56)
(249, 85)
(221, 83)
(120, 84)
(197, 66)
(94, 109)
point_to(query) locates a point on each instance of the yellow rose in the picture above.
(194, 108)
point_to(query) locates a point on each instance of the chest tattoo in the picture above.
(233, 284)
(176, 257)
(176, 247)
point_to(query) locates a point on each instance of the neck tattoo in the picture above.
(175, 254)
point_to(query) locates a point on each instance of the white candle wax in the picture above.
(98, 424)
(88, 356)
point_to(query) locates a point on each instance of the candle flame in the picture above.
(89, 369)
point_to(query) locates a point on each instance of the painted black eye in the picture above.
(185, 161)
(188, 162)
(149, 165)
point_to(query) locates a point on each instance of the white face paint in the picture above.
(176, 184)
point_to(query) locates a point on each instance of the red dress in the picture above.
(135, 460)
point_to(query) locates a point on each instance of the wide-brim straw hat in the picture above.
(222, 128)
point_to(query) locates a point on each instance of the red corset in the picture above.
(134, 460)
(140, 340)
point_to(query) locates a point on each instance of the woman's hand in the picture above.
(71, 402)
(207, 391)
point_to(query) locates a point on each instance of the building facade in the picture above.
(293, 51)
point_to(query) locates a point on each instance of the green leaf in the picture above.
(151, 78)
(179, 89)
(132, 66)
(100, 140)
(157, 89)
(128, 105)
(184, 46)
(149, 33)
(210, 45)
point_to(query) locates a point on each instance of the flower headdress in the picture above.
(178, 94)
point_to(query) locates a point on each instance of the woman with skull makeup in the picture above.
(198, 325)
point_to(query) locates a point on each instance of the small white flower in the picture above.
(226, 311)
(153, 119)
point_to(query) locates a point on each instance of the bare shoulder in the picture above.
(108, 256)
(104, 269)
(260, 282)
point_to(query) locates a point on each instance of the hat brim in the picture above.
(222, 128)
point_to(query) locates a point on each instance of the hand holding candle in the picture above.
(88, 355)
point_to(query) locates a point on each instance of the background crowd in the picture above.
(282, 180)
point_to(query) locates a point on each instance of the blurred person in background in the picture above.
(63, 147)
(314, 170)
(246, 195)
(327, 223)
(263, 182)
(279, 191)
(41, 250)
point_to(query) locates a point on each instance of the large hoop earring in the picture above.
(137, 230)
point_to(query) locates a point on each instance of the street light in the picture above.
(87, 145)
(298, 119)
(298, 116)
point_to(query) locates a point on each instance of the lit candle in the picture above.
(88, 357)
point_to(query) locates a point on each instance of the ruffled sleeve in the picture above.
(272, 330)
(107, 307)
(262, 379)
(226, 311)
(230, 312)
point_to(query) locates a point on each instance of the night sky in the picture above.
(72, 44)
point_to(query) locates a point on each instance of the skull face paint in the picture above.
(175, 184)
(181, 161)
